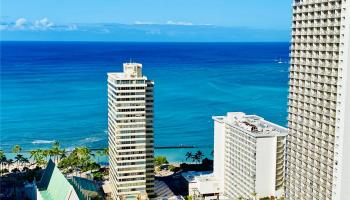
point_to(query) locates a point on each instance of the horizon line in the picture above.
(100, 41)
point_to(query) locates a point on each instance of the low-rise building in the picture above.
(202, 184)
(53, 185)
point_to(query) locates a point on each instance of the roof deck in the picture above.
(252, 124)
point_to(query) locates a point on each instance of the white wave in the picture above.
(90, 139)
(42, 141)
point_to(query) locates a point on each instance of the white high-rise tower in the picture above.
(130, 129)
(319, 101)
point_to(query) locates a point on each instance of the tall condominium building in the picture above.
(249, 156)
(319, 107)
(130, 129)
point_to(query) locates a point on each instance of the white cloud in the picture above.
(72, 27)
(22, 24)
(144, 23)
(170, 22)
(42, 24)
(19, 24)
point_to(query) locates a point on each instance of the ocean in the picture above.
(58, 90)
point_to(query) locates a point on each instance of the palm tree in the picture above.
(56, 144)
(189, 155)
(47, 154)
(198, 156)
(99, 154)
(83, 155)
(83, 152)
(254, 195)
(106, 151)
(18, 159)
(16, 149)
(2, 160)
(9, 162)
(24, 161)
(39, 156)
(34, 154)
(63, 154)
(56, 151)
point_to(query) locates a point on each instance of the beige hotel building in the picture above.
(318, 154)
(130, 129)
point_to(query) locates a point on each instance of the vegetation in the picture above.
(269, 198)
(81, 159)
(3, 162)
(197, 157)
(38, 157)
(206, 165)
(160, 160)
(171, 168)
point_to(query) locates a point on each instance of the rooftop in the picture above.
(54, 185)
(190, 176)
(252, 124)
(130, 70)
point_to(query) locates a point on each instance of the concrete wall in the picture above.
(219, 149)
(342, 140)
(265, 166)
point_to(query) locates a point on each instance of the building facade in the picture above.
(319, 113)
(249, 156)
(130, 130)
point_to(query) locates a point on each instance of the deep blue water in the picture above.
(57, 90)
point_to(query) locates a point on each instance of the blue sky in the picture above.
(166, 20)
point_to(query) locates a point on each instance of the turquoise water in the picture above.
(57, 90)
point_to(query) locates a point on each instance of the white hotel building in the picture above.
(249, 157)
(130, 129)
(318, 163)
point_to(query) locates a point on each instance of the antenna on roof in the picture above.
(130, 60)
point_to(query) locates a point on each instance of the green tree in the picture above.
(47, 154)
(38, 156)
(160, 160)
(55, 151)
(2, 154)
(189, 155)
(2, 161)
(171, 168)
(106, 152)
(18, 159)
(63, 154)
(254, 195)
(98, 155)
(25, 161)
(198, 156)
(80, 159)
(9, 162)
(16, 149)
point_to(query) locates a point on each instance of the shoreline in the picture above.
(173, 155)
